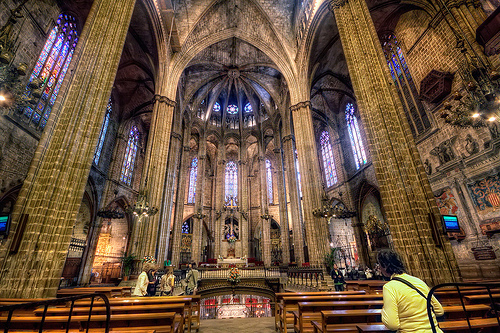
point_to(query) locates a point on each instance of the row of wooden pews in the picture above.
(359, 311)
(141, 314)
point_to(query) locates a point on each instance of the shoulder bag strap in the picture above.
(409, 285)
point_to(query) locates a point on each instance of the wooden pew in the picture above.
(279, 299)
(110, 292)
(159, 322)
(452, 297)
(482, 298)
(310, 311)
(290, 304)
(448, 326)
(346, 320)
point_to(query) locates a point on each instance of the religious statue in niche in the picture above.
(444, 151)
(471, 145)
(377, 232)
(428, 167)
(447, 203)
(486, 194)
(494, 128)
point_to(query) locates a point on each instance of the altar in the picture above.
(238, 262)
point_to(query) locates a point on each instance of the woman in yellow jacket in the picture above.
(405, 302)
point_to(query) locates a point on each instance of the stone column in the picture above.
(243, 201)
(280, 181)
(198, 206)
(406, 194)
(264, 209)
(316, 227)
(179, 200)
(52, 192)
(293, 192)
(219, 200)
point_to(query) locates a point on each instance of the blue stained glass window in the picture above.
(52, 66)
(269, 174)
(328, 160)
(130, 153)
(248, 107)
(193, 174)
(298, 173)
(186, 227)
(102, 134)
(358, 148)
(216, 107)
(232, 109)
(231, 189)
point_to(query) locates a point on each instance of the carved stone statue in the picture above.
(471, 145)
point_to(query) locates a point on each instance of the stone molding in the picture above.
(176, 135)
(165, 99)
(300, 105)
(336, 4)
(288, 137)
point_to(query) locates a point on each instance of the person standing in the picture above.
(192, 279)
(152, 282)
(338, 278)
(167, 282)
(405, 298)
(141, 286)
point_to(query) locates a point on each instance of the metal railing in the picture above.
(487, 286)
(245, 272)
(32, 305)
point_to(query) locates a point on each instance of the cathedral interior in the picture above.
(270, 131)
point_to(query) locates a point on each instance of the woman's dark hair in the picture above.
(391, 261)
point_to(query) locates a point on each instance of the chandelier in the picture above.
(338, 210)
(141, 208)
(111, 213)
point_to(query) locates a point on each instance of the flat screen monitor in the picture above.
(4, 224)
(450, 223)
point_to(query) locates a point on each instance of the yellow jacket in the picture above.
(405, 309)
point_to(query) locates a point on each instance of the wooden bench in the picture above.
(279, 299)
(192, 305)
(483, 298)
(290, 304)
(346, 320)
(452, 297)
(159, 322)
(110, 292)
(309, 311)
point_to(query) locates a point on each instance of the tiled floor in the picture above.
(238, 325)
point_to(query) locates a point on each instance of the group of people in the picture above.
(147, 282)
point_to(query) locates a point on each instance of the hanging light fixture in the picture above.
(108, 213)
(141, 208)
(328, 210)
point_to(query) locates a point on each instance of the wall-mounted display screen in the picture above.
(450, 223)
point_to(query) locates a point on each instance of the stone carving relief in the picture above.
(471, 145)
(444, 151)
(428, 167)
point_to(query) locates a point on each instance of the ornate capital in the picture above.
(176, 135)
(336, 4)
(300, 105)
(288, 137)
(164, 99)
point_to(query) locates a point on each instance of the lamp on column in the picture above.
(266, 216)
(199, 215)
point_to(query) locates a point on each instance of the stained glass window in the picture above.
(328, 160)
(248, 107)
(413, 107)
(269, 175)
(186, 227)
(192, 180)
(216, 107)
(51, 68)
(298, 172)
(358, 148)
(231, 183)
(129, 160)
(102, 135)
(232, 109)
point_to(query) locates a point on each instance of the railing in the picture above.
(305, 276)
(487, 286)
(11, 308)
(246, 272)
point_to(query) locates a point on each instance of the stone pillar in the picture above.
(220, 217)
(406, 194)
(264, 209)
(179, 200)
(198, 206)
(166, 213)
(148, 231)
(243, 201)
(316, 227)
(293, 192)
(52, 192)
(280, 181)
